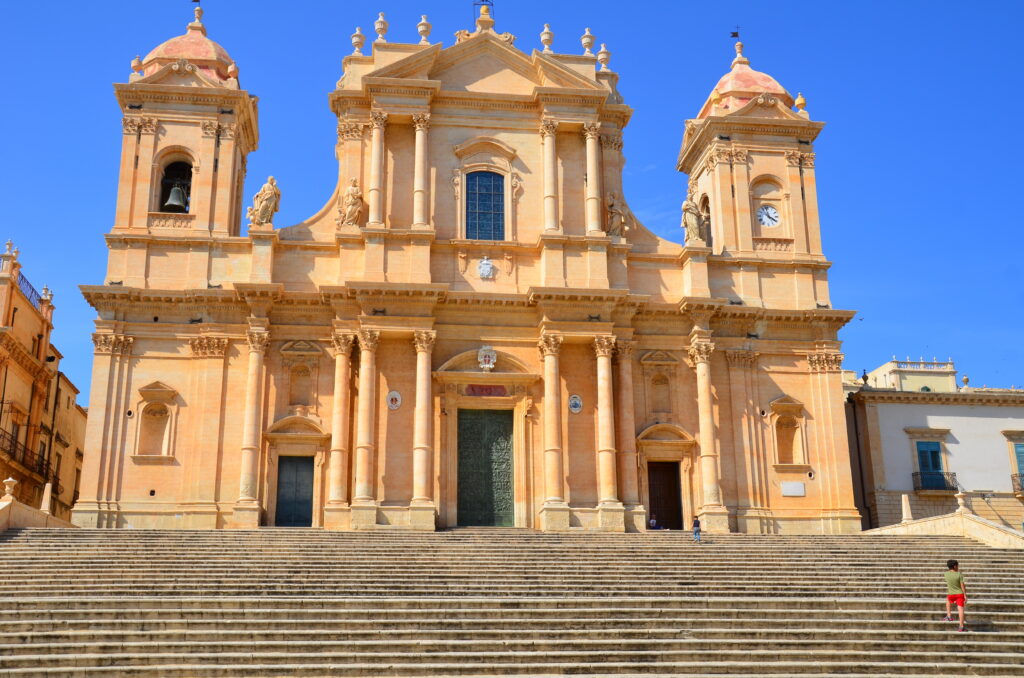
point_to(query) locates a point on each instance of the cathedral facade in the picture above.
(475, 329)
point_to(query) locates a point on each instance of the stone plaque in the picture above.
(486, 390)
(394, 400)
(793, 488)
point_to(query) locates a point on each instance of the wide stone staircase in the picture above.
(475, 602)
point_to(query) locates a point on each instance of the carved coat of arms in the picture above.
(487, 357)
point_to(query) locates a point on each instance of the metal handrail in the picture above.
(935, 480)
(36, 463)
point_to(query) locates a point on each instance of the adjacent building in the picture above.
(474, 329)
(42, 428)
(916, 432)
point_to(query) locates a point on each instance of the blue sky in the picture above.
(919, 167)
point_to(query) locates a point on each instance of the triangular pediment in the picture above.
(659, 358)
(301, 347)
(157, 391)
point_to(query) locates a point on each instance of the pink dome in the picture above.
(741, 84)
(209, 57)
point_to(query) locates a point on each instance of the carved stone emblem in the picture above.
(575, 404)
(487, 357)
(394, 400)
(486, 269)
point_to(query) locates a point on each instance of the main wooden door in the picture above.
(666, 504)
(294, 492)
(485, 495)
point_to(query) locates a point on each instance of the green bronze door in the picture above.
(485, 468)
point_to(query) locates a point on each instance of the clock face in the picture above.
(767, 215)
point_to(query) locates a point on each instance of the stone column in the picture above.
(555, 512)
(336, 510)
(611, 515)
(548, 130)
(247, 509)
(364, 509)
(420, 202)
(422, 513)
(629, 481)
(591, 132)
(713, 514)
(378, 121)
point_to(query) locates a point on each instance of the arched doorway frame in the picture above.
(295, 436)
(670, 442)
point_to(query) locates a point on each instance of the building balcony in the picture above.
(934, 481)
(1017, 481)
(28, 460)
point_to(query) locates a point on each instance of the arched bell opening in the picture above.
(176, 188)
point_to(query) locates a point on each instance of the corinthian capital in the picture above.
(591, 130)
(624, 349)
(423, 340)
(548, 127)
(741, 358)
(604, 346)
(378, 119)
(368, 340)
(342, 343)
(825, 362)
(549, 344)
(421, 121)
(206, 347)
(700, 352)
(258, 340)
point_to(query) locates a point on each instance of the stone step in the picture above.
(185, 631)
(941, 663)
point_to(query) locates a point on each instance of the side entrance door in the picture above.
(294, 492)
(666, 501)
(485, 468)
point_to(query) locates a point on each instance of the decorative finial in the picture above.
(9, 487)
(423, 28)
(136, 64)
(381, 26)
(47, 294)
(9, 245)
(546, 38)
(484, 22)
(587, 40)
(358, 40)
(197, 25)
(740, 59)
(800, 102)
(966, 380)
(603, 57)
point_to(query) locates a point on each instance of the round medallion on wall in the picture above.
(394, 400)
(575, 404)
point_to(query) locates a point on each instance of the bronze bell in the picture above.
(176, 200)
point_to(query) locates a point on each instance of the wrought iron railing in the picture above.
(30, 292)
(1017, 480)
(935, 480)
(35, 463)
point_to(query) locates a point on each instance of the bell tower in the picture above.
(750, 158)
(188, 129)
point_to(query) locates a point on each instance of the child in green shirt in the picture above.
(956, 592)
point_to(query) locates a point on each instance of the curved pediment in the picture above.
(484, 144)
(665, 433)
(469, 361)
(296, 425)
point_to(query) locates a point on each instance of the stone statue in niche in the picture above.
(692, 221)
(265, 204)
(619, 218)
(486, 269)
(352, 204)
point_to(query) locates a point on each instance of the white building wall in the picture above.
(978, 452)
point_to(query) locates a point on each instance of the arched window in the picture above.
(177, 175)
(153, 436)
(485, 206)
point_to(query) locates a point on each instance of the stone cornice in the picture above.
(868, 395)
(35, 368)
(708, 130)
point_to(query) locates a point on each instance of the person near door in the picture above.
(652, 524)
(696, 529)
(956, 592)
